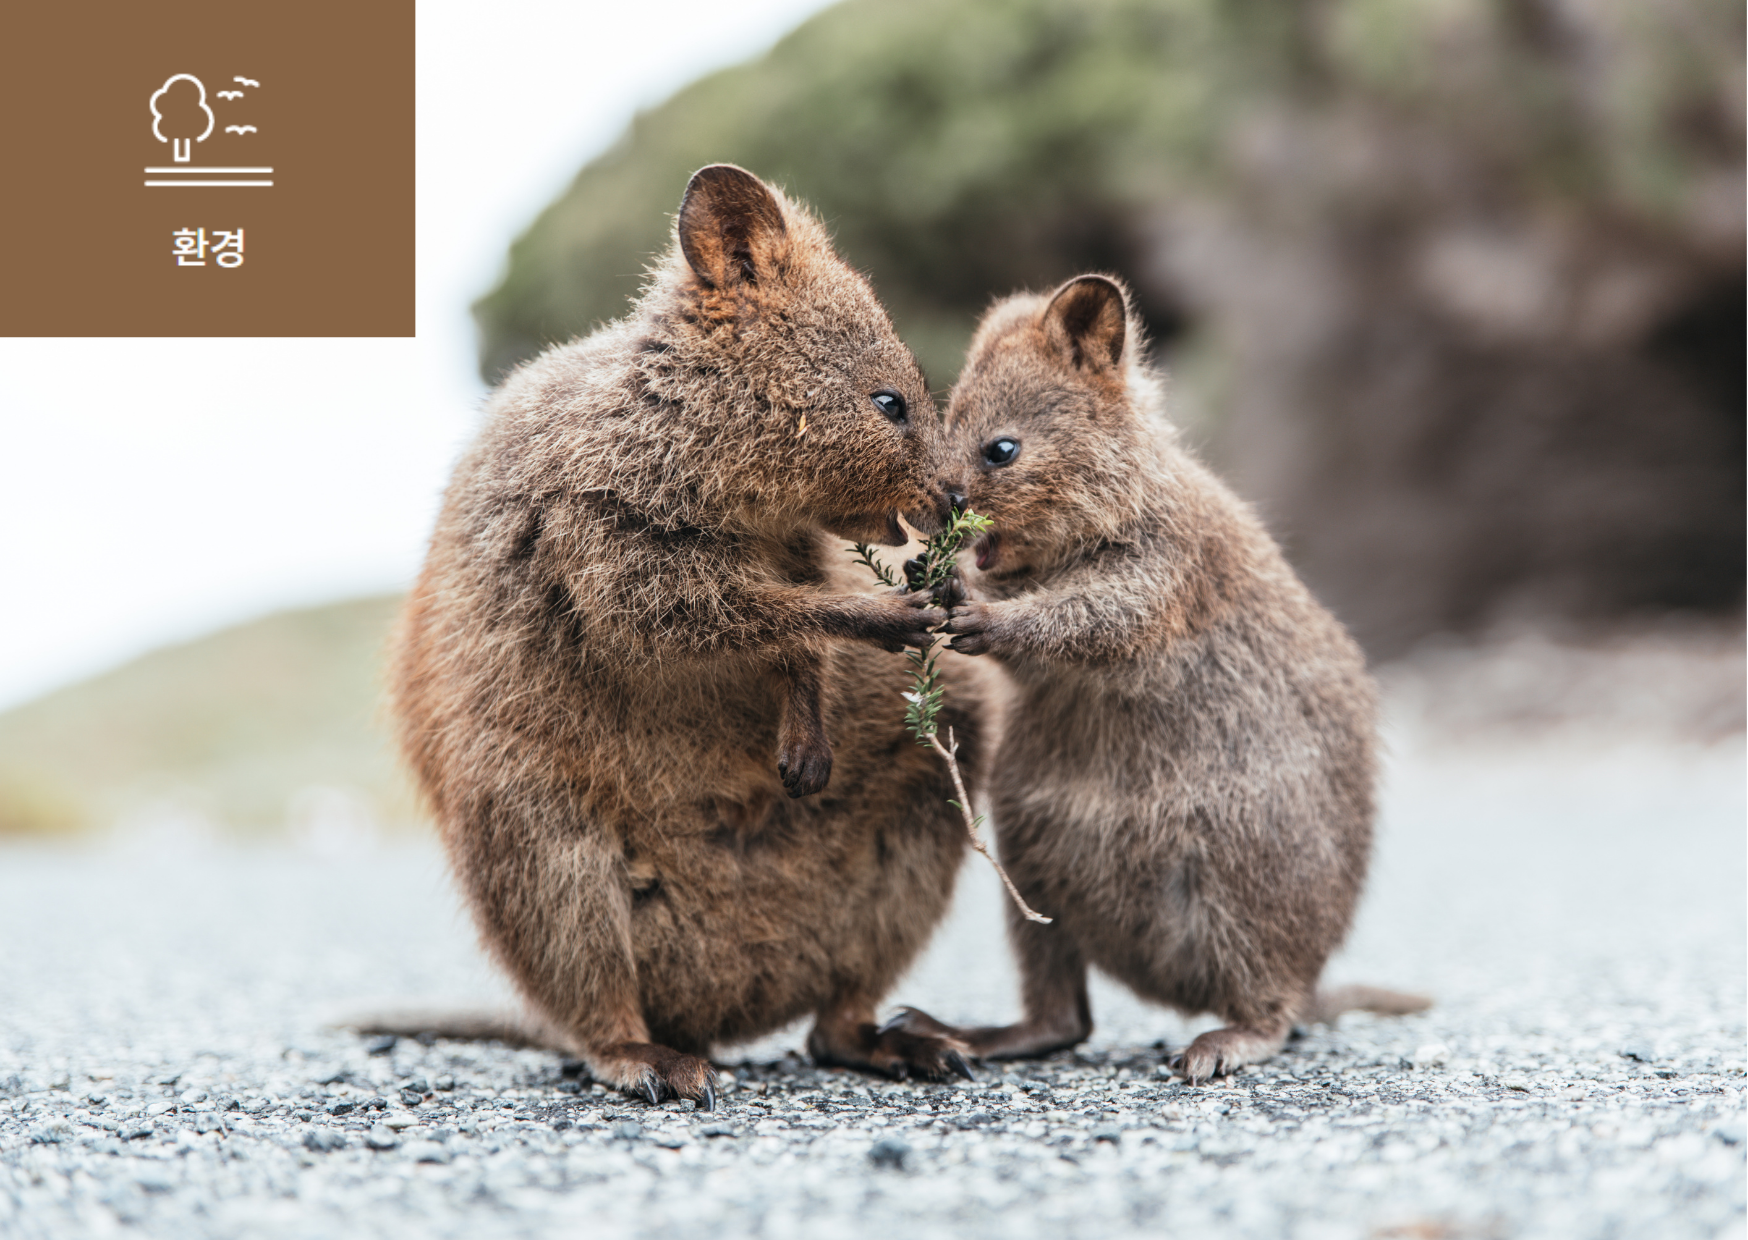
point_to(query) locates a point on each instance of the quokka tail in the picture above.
(1329, 1003)
(461, 1025)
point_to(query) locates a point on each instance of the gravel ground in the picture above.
(1574, 900)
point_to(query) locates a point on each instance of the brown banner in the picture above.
(187, 168)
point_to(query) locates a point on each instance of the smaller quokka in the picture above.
(1186, 779)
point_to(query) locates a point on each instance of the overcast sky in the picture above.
(154, 490)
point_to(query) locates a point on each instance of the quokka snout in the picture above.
(660, 742)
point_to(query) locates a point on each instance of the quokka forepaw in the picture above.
(905, 618)
(969, 628)
(805, 766)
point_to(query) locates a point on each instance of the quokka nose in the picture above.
(955, 501)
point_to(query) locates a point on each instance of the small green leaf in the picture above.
(864, 555)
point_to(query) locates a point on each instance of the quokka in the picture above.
(625, 648)
(1186, 780)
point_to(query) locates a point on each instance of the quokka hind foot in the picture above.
(655, 1073)
(1219, 1052)
(853, 1040)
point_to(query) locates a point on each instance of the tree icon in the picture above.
(182, 113)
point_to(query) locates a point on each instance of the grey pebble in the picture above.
(324, 1140)
(889, 1152)
(381, 1137)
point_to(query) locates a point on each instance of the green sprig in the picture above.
(927, 571)
(866, 558)
(936, 561)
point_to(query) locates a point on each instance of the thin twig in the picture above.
(950, 752)
(926, 691)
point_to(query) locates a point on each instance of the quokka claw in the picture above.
(708, 1102)
(895, 1021)
(652, 1090)
(956, 1061)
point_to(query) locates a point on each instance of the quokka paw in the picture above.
(1197, 1066)
(969, 628)
(656, 1073)
(951, 592)
(805, 767)
(1221, 1052)
(906, 619)
(913, 1043)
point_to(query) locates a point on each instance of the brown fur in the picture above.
(625, 648)
(1186, 782)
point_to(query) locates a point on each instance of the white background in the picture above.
(153, 490)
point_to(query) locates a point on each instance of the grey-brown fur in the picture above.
(1185, 784)
(626, 647)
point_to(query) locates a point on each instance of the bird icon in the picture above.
(246, 81)
(230, 94)
(241, 129)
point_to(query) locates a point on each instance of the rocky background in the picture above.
(1453, 291)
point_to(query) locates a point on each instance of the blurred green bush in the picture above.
(961, 149)
(237, 729)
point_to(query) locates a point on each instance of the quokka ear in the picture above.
(1088, 320)
(731, 227)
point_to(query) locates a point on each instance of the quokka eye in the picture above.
(891, 404)
(1001, 451)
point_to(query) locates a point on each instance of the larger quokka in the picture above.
(1186, 779)
(624, 649)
